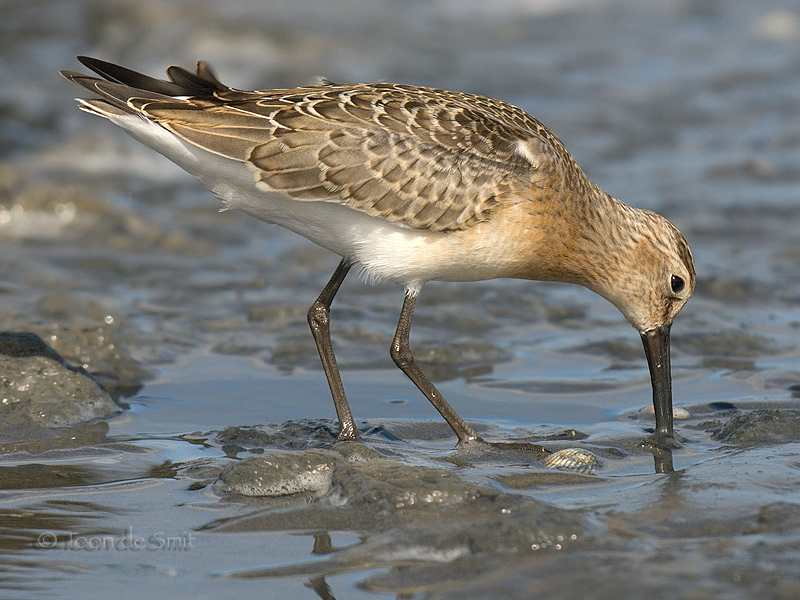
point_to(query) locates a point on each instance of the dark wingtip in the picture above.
(67, 74)
(182, 82)
(130, 78)
(82, 79)
(101, 67)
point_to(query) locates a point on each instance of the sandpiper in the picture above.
(410, 184)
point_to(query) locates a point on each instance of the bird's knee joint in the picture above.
(401, 355)
(318, 315)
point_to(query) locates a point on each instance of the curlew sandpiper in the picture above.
(410, 184)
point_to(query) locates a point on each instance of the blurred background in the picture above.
(690, 108)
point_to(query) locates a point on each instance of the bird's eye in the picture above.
(677, 284)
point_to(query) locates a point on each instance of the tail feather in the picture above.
(120, 85)
(181, 83)
(114, 94)
(202, 81)
(117, 74)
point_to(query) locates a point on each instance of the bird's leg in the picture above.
(319, 321)
(401, 355)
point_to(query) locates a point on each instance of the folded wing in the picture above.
(423, 157)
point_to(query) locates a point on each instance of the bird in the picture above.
(410, 184)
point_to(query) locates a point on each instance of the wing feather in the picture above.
(423, 157)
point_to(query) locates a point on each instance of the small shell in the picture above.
(572, 459)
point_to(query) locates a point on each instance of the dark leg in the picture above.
(319, 321)
(401, 355)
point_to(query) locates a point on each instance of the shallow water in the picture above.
(196, 321)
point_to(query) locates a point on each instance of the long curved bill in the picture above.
(656, 349)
